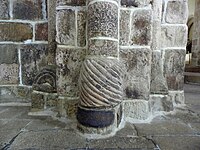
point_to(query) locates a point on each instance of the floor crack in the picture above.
(137, 132)
(7, 146)
(155, 144)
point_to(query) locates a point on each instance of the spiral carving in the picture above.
(100, 83)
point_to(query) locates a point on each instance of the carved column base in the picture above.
(99, 121)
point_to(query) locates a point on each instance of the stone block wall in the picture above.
(145, 39)
(196, 36)
(23, 46)
(71, 51)
(123, 59)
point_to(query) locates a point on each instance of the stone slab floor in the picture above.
(180, 131)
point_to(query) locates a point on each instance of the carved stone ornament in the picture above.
(100, 83)
(45, 80)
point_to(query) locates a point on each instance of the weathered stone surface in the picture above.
(81, 22)
(71, 108)
(51, 101)
(16, 32)
(137, 72)
(164, 128)
(157, 10)
(9, 74)
(156, 35)
(68, 70)
(157, 17)
(174, 62)
(33, 58)
(158, 82)
(125, 143)
(177, 12)
(141, 31)
(8, 54)
(29, 9)
(41, 32)
(177, 97)
(51, 32)
(135, 3)
(178, 143)
(37, 101)
(4, 9)
(15, 94)
(136, 110)
(41, 101)
(71, 2)
(95, 118)
(49, 139)
(100, 83)
(103, 47)
(103, 20)
(125, 27)
(9, 64)
(66, 28)
(128, 131)
(9, 129)
(67, 107)
(160, 103)
(173, 36)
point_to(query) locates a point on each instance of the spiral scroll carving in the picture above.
(100, 83)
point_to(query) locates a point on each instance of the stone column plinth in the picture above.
(100, 81)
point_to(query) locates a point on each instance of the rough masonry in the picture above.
(105, 63)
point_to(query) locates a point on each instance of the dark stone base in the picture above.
(95, 118)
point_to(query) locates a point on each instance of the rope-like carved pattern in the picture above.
(100, 83)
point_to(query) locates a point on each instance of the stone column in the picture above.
(70, 52)
(173, 47)
(100, 82)
(196, 36)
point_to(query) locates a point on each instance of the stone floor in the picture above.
(180, 131)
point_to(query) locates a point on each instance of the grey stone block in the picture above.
(81, 23)
(136, 110)
(177, 12)
(29, 10)
(4, 9)
(173, 36)
(174, 62)
(37, 101)
(65, 27)
(125, 27)
(33, 58)
(9, 74)
(177, 97)
(137, 72)
(15, 94)
(141, 31)
(103, 48)
(103, 20)
(159, 103)
(158, 82)
(8, 54)
(68, 70)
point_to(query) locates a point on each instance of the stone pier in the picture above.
(100, 82)
(196, 36)
(106, 62)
